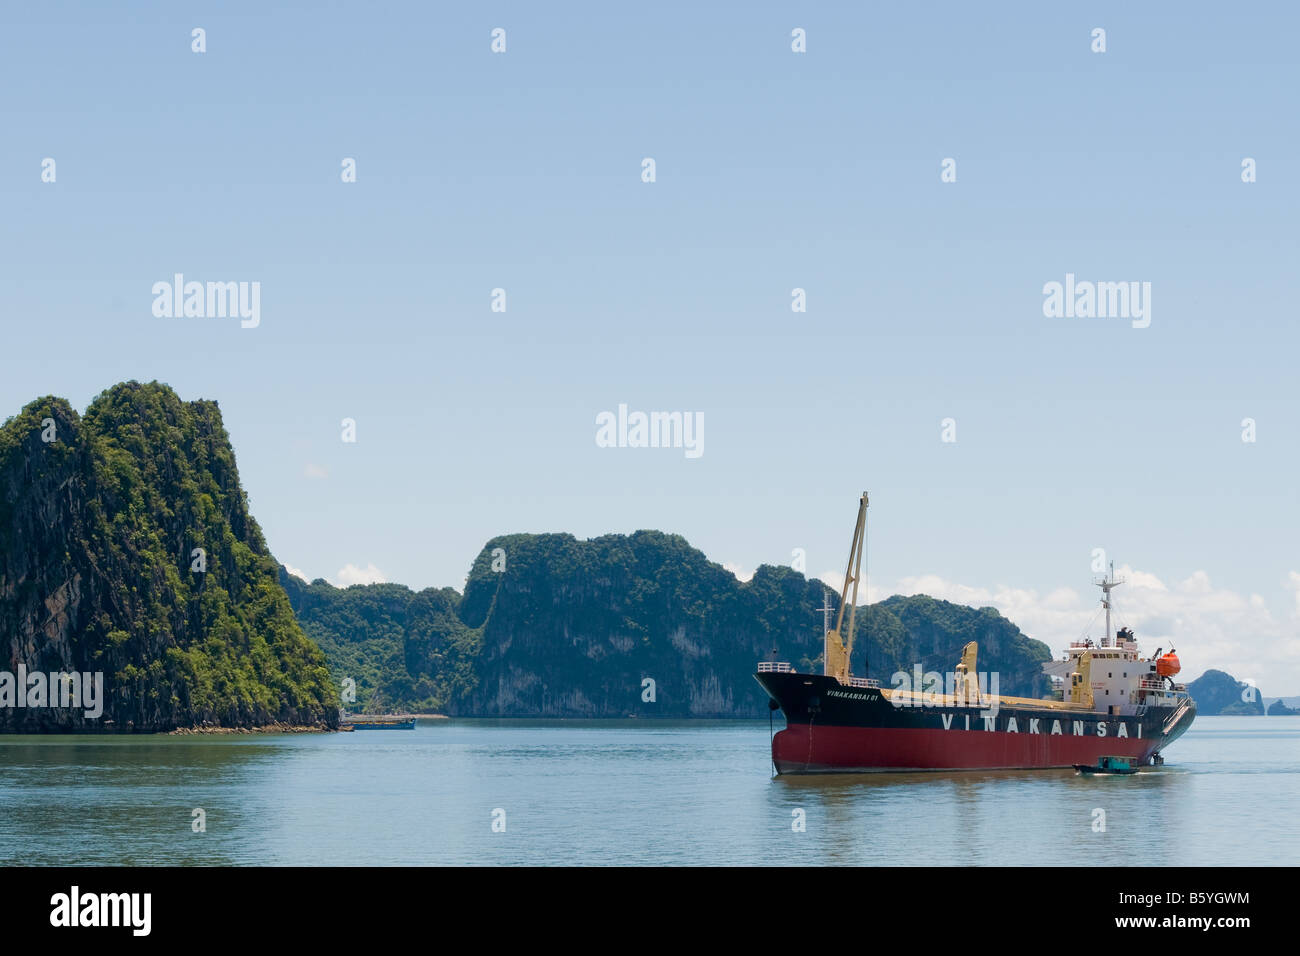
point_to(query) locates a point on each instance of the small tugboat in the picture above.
(1109, 764)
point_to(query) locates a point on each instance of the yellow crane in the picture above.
(835, 663)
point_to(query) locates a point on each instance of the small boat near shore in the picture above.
(352, 722)
(384, 723)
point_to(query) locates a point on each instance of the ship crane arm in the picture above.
(839, 649)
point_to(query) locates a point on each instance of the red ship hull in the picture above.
(806, 748)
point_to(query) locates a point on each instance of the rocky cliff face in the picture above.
(579, 628)
(621, 625)
(127, 549)
(576, 628)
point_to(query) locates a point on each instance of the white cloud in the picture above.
(1140, 579)
(351, 574)
(741, 575)
(296, 573)
(315, 472)
(1211, 627)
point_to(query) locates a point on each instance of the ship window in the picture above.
(1109, 674)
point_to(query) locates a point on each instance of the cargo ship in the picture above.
(1112, 703)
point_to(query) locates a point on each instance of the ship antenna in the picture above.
(826, 610)
(1107, 583)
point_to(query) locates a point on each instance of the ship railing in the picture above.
(1148, 684)
(864, 682)
(1177, 715)
(775, 667)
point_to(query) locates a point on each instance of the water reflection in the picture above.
(128, 800)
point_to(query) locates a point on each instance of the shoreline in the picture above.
(294, 728)
(353, 718)
(263, 729)
(10, 735)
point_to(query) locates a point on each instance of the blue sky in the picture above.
(774, 170)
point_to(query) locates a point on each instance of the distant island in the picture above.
(571, 628)
(1218, 693)
(128, 553)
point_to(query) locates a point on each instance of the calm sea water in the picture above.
(625, 792)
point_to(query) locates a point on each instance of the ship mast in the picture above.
(835, 662)
(826, 610)
(1106, 584)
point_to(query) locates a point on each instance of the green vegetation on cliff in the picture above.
(1218, 693)
(404, 651)
(103, 521)
(553, 626)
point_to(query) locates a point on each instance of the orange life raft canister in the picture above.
(1168, 665)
